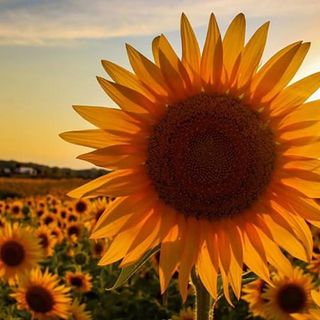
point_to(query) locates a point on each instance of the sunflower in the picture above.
(20, 251)
(74, 231)
(253, 295)
(82, 206)
(57, 233)
(79, 281)
(48, 218)
(47, 240)
(213, 159)
(43, 296)
(99, 248)
(288, 296)
(16, 209)
(78, 311)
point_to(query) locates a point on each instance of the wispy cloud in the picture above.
(47, 22)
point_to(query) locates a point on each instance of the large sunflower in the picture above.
(42, 295)
(213, 158)
(20, 251)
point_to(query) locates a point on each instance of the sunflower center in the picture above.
(12, 253)
(291, 298)
(39, 299)
(81, 207)
(210, 156)
(76, 281)
(73, 230)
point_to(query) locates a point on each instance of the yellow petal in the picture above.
(126, 78)
(254, 254)
(122, 212)
(269, 76)
(147, 72)
(191, 242)
(290, 71)
(115, 157)
(282, 232)
(295, 95)
(121, 244)
(145, 240)
(307, 187)
(274, 255)
(233, 43)
(308, 150)
(173, 70)
(306, 112)
(155, 50)
(94, 138)
(131, 101)
(211, 61)
(207, 271)
(108, 119)
(251, 55)
(191, 56)
(117, 183)
(170, 254)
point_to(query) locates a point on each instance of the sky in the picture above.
(50, 53)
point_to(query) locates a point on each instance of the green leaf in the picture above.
(128, 272)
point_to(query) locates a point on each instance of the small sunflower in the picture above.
(48, 218)
(82, 206)
(57, 234)
(99, 248)
(74, 231)
(78, 311)
(253, 295)
(213, 158)
(43, 296)
(20, 251)
(79, 281)
(47, 241)
(16, 209)
(290, 297)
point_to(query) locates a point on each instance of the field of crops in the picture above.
(44, 241)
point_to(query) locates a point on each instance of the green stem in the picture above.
(204, 302)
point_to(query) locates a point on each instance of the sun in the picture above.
(213, 158)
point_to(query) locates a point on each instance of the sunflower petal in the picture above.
(173, 70)
(108, 119)
(147, 72)
(93, 138)
(270, 75)
(191, 56)
(251, 55)
(211, 61)
(126, 78)
(233, 43)
(191, 242)
(295, 95)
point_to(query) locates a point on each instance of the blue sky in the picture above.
(50, 53)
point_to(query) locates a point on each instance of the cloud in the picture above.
(47, 22)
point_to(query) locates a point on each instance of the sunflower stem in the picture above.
(204, 302)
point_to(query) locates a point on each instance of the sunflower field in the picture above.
(50, 270)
